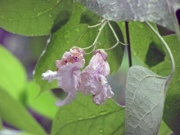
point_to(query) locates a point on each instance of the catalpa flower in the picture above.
(68, 72)
(94, 78)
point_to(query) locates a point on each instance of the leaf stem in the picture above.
(104, 22)
(167, 48)
(129, 44)
(116, 37)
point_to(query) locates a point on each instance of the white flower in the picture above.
(94, 78)
(68, 72)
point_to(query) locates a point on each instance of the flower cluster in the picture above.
(92, 80)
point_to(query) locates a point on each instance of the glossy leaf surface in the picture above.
(34, 18)
(83, 116)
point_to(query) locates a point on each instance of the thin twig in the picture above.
(97, 37)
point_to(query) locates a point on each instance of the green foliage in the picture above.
(82, 116)
(145, 96)
(75, 33)
(24, 133)
(13, 76)
(15, 114)
(145, 45)
(160, 12)
(34, 18)
(164, 129)
(141, 38)
(171, 110)
(43, 104)
(1, 126)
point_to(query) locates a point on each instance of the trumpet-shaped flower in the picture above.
(98, 63)
(94, 78)
(68, 72)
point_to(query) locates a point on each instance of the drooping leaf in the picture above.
(76, 34)
(164, 129)
(13, 75)
(15, 114)
(82, 116)
(145, 97)
(160, 11)
(141, 39)
(34, 17)
(43, 104)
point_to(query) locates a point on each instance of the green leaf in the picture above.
(160, 11)
(107, 40)
(171, 110)
(13, 75)
(1, 126)
(145, 97)
(75, 34)
(25, 133)
(44, 103)
(146, 46)
(82, 116)
(164, 129)
(15, 114)
(141, 39)
(53, 49)
(34, 18)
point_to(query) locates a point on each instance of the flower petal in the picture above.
(68, 78)
(68, 73)
(98, 63)
(49, 75)
(94, 78)
(104, 91)
(70, 97)
(97, 85)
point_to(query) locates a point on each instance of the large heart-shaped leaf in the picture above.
(34, 17)
(145, 97)
(15, 114)
(147, 48)
(76, 34)
(157, 11)
(82, 117)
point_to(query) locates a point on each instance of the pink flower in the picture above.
(94, 78)
(98, 63)
(68, 72)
